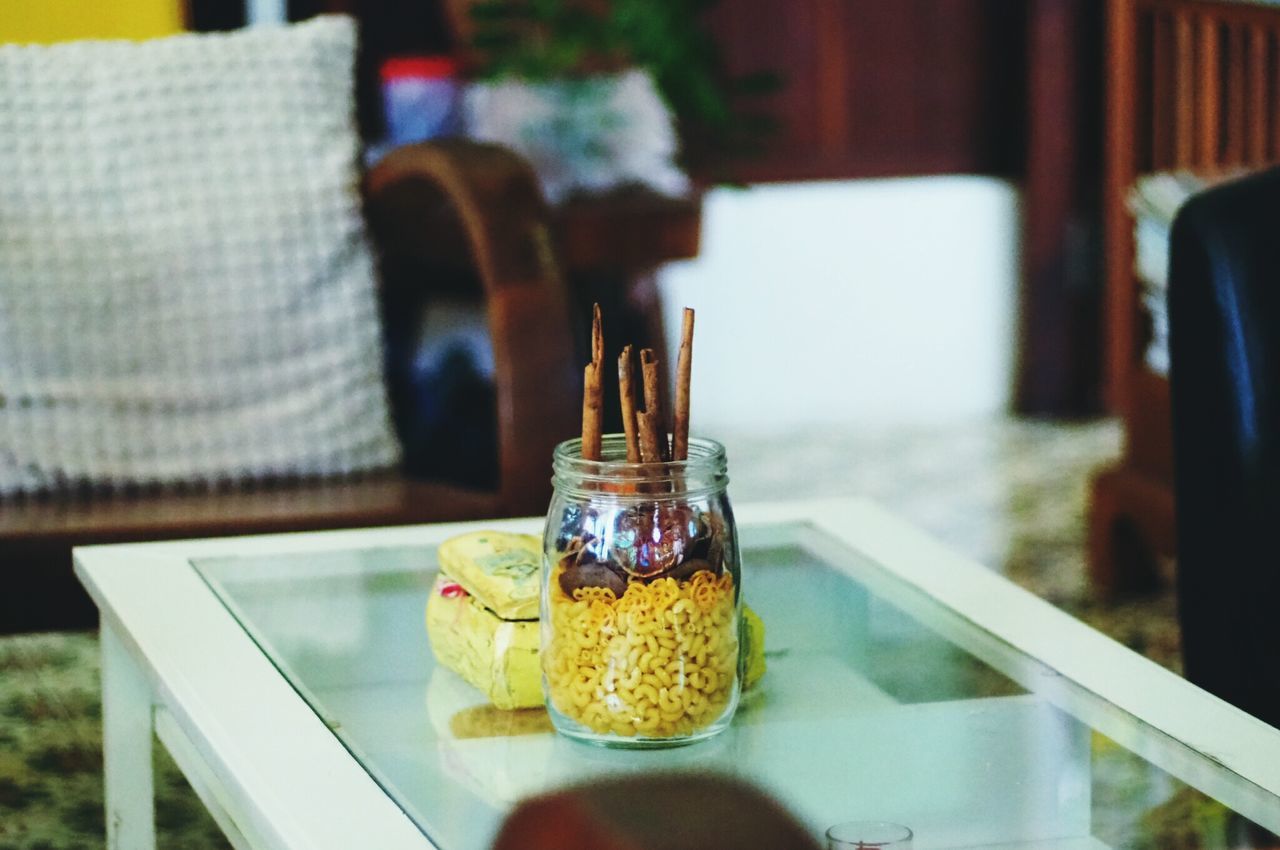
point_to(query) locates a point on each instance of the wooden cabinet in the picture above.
(875, 88)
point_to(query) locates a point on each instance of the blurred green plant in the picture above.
(718, 114)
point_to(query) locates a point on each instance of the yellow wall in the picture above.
(62, 20)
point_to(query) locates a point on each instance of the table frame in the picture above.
(186, 670)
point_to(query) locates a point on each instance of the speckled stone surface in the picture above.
(1009, 494)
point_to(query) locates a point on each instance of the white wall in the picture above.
(863, 302)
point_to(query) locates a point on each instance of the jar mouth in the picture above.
(706, 462)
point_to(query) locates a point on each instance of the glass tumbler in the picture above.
(641, 597)
(868, 835)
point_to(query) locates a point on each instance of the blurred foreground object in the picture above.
(656, 812)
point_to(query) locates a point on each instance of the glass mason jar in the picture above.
(641, 597)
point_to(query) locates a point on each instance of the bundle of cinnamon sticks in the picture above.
(645, 429)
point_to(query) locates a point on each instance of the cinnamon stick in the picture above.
(592, 392)
(684, 367)
(626, 393)
(650, 422)
(597, 336)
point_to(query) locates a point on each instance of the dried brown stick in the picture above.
(591, 437)
(649, 452)
(626, 393)
(592, 392)
(684, 367)
(597, 336)
(650, 422)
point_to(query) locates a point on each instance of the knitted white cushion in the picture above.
(186, 289)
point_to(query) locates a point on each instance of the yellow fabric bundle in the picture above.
(482, 614)
(499, 657)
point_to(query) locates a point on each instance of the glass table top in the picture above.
(879, 704)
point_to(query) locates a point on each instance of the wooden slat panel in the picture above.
(1208, 108)
(1251, 13)
(1274, 41)
(1184, 48)
(1257, 109)
(874, 88)
(1163, 93)
(833, 90)
(1121, 93)
(1234, 125)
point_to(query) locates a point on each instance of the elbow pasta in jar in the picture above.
(641, 598)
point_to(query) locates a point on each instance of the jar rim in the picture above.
(613, 448)
(706, 458)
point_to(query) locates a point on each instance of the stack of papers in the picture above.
(1154, 201)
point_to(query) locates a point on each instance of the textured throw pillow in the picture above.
(186, 287)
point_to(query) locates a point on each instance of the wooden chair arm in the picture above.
(506, 224)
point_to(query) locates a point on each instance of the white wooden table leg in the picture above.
(126, 748)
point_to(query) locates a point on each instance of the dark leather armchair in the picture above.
(432, 207)
(1224, 303)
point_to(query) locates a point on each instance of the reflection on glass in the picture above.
(1142, 808)
(868, 835)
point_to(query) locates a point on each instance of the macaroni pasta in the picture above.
(660, 662)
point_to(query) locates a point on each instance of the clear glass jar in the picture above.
(641, 597)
